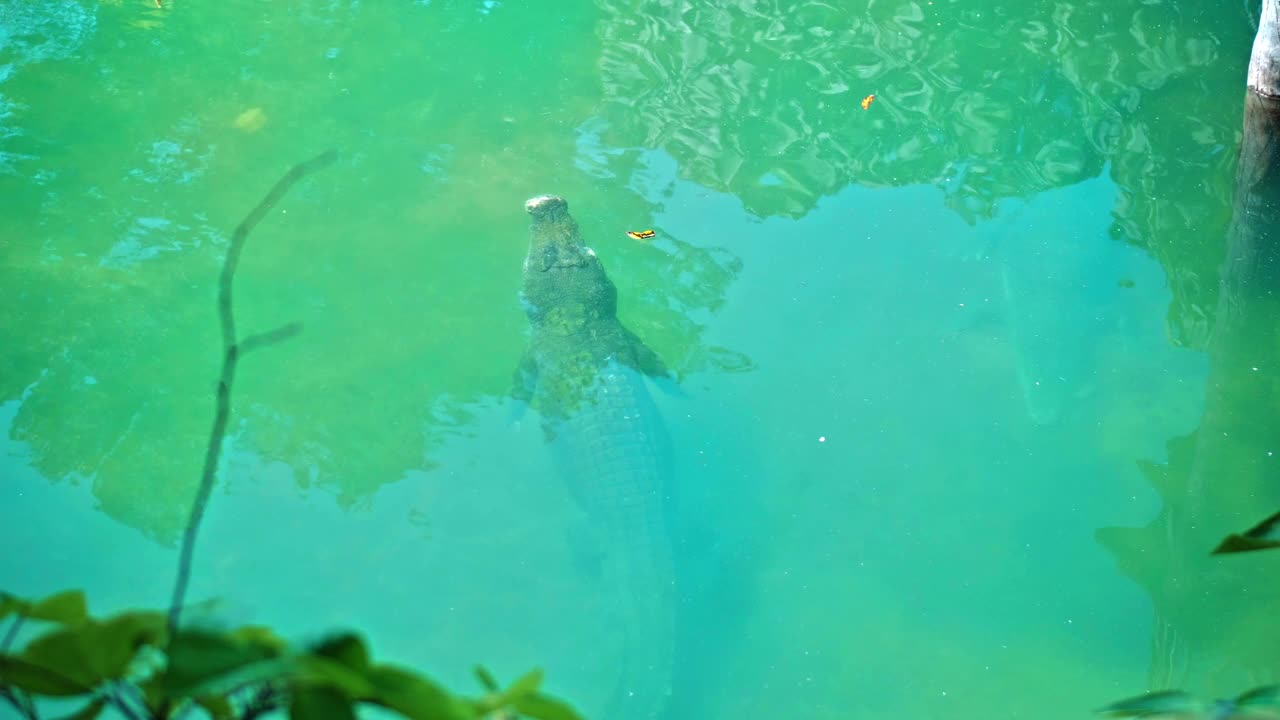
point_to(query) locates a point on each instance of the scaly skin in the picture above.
(582, 372)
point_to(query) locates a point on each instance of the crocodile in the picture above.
(584, 373)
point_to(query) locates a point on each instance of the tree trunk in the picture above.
(1235, 472)
(1216, 621)
(1264, 65)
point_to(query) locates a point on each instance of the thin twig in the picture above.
(24, 709)
(259, 340)
(30, 703)
(12, 634)
(183, 711)
(117, 701)
(229, 355)
(131, 690)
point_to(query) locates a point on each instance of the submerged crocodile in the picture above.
(583, 372)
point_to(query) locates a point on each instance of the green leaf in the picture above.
(320, 703)
(88, 712)
(347, 649)
(10, 604)
(94, 652)
(545, 707)
(1164, 703)
(198, 658)
(38, 680)
(486, 679)
(209, 663)
(1263, 536)
(319, 670)
(413, 696)
(258, 673)
(218, 707)
(126, 633)
(152, 692)
(67, 607)
(263, 637)
(1267, 696)
(526, 685)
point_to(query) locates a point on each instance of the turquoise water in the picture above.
(926, 349)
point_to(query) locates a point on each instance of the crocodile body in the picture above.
(584, 373)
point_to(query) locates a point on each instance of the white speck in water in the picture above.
(822, 439)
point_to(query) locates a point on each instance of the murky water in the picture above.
(925, 349)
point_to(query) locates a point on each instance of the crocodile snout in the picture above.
(545, 205)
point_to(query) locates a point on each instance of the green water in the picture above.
(926, 349)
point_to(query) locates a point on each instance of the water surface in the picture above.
(925, 348)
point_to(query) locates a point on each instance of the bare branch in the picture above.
(230, 354)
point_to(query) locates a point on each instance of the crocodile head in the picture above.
(565, 288)
(554, 240)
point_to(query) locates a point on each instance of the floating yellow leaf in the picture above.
(250, 120)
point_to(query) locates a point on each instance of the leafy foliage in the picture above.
(130, 662)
